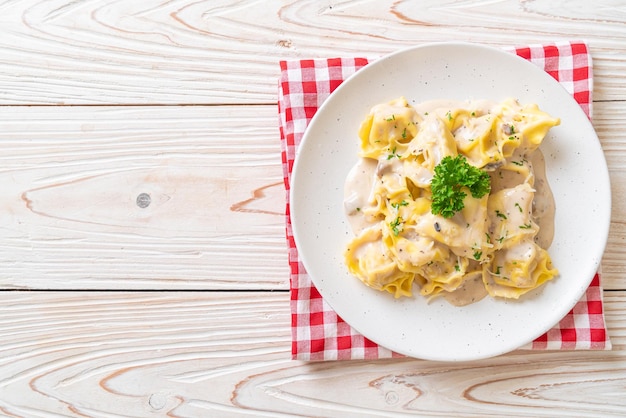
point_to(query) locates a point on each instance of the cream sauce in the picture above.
(357, 191)
(361, 178)
(544, 207)
(472, 290)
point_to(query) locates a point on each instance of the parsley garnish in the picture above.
(451, 176)
(398, 204)
(393, 154)
(477, 255)
(500, 214)
(396, 226)
(526, 226)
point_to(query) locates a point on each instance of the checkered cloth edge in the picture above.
(318, 333)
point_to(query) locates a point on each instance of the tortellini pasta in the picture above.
(399, 243)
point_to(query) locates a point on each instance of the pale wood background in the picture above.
(181, 308)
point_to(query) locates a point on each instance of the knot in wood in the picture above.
(143, 200)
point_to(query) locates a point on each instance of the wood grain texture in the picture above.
(71, 176)
(206, 52)
(614, 261)
(191, 354)
(131, 188)
(69, 217)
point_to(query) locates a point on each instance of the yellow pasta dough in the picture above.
(400, 243)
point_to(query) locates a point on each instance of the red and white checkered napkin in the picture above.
(317, 332)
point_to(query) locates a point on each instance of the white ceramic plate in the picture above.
(576, 170)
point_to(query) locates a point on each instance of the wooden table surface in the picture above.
(115, 306)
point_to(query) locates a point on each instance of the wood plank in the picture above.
(107, 52)
(183, 354)
(72, 177)
(614, 262)
(69, 217)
